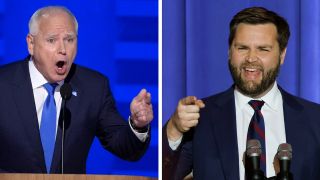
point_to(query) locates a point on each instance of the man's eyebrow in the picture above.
(70, 34)
(265, 46)
(259, 46)
(53, 35)
(240, 44)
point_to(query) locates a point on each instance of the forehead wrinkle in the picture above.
(54, 21)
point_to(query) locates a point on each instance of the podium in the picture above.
(12, 176)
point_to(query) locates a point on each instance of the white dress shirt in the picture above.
(40, 94)
(272, 112)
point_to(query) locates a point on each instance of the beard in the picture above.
(251, 88)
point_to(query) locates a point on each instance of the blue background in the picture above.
(195, 47)
(117, 38)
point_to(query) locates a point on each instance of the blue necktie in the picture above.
(256, 130)
(48, 124)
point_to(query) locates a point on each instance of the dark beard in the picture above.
(255, 89)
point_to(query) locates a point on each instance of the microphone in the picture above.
(284, 156)
(65, 92)
(252, 163)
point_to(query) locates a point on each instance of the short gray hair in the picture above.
(46, 11)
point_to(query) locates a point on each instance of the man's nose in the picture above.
(62, 47)
(251, 56)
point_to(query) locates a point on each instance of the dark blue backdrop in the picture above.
(117, 38)
(195, 47)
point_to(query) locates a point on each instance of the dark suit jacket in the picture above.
(211, 149)
(91, 113)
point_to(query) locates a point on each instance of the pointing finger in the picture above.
(147, 98)
(141, 95)
(189, 100)
(200, 103)
(192, 100)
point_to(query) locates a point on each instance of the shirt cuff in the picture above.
(175, 144)
(141, 136)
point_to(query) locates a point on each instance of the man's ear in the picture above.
(30, 42)
(283, 55)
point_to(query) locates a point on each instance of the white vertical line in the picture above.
(160, 88)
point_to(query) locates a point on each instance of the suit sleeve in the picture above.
(176, 163)
(115, 133)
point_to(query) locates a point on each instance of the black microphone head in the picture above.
(284, 152)
(253, 148)
(65, 91)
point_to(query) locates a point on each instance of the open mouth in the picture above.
(251, 69)
(252, 73)
(60, 64)
(61, 67)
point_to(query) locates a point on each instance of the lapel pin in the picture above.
(74, 93)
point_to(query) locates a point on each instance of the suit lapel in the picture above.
(226, 135)
(24, 100)
(292, 118)
(28, 115)
(296, 129)
(225, 131)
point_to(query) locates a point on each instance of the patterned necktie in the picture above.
(256, 130)
(48, 125)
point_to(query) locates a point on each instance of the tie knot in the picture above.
(256, 104)
(50, 87)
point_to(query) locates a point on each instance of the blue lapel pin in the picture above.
(74, 93)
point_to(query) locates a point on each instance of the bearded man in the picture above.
(208, 137)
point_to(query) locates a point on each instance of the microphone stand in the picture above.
(63, 130)
(254, 173)
(284, 155)
(65, 92)
(252, 161)
(284, 173)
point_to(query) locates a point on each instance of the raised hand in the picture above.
(185, 117)
(141, 109)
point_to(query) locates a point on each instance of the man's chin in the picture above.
(58, 78)
(251, 89)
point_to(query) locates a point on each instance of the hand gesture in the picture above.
(141, 109)
(185, 117)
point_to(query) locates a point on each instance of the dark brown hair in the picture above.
(260, 15)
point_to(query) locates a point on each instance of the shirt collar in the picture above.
(272, 99)
(37, 79)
